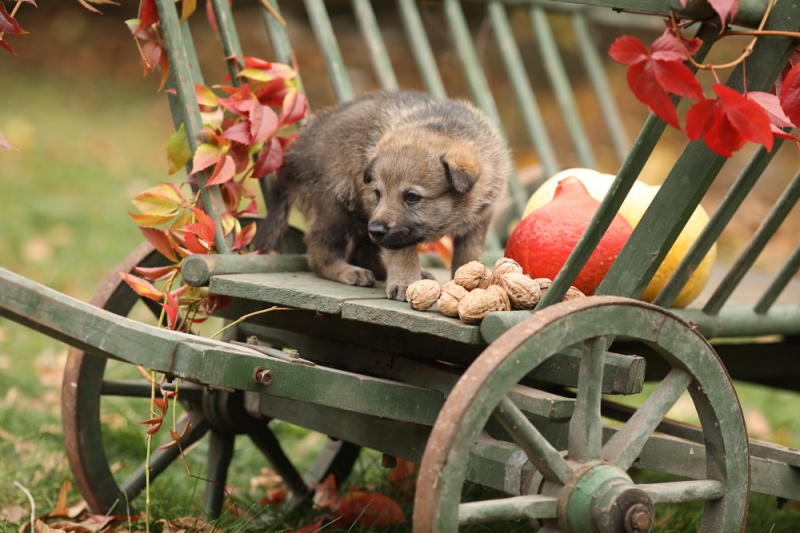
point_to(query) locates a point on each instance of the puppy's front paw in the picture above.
(360, 277)
(427, 275)
(396, 291)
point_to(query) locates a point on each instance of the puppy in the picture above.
(382, 173)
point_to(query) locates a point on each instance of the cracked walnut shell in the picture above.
(422, 294)
(473, 275)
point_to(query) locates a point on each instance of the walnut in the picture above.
(480, 302)
(504, 265)
(452, 293)
(523, 292)
(504, 303)
(473, 275)
(573, 293)
(422, 294)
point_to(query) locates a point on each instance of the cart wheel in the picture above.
(584, 485)
(219, 415)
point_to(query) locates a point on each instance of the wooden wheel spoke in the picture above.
(684, 491)
(268, 444)
(625, 446)
(161, 459)
(586, 427)
(541, 453)
(220, 453)
(515, 508)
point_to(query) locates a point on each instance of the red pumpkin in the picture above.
(543, 240)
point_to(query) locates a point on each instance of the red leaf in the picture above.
(370, 509)
(243, 236)
(628, 50)
(748, 118)
(155, 273)
(160, 241)
(153, 421)
(273, 92)
(205, 156)
(668, 48)
(6, 46)
(8, 24)
(253, 62)
(141, 286)
(790, 94)
(294, 108)
(675, 77)
(726, 9)
(319, 525)
(772, 106)
(263, 123)
(205, 224)
(151, 56)
(161, 404)
(239, 132)
(269, 160)
(148, 15)
(172, 308)
(647, 90)
(700, 118)
(223, 172)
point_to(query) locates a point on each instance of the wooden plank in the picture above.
(302, 290)
(398, 314)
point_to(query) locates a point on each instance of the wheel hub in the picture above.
(601, 498)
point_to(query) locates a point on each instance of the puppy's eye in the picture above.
(412, 197)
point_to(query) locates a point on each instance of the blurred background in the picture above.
(92, 132)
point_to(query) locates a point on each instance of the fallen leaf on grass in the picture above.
(13, 513)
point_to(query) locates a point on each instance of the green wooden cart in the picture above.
(526, 403)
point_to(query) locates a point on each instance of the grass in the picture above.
(63, 199)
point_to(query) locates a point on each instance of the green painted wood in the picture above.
(523, 91)
(716, 224)
(783, 206)
(381, 63)
(421, 48)
(337, 73)
(557, 75)
(741, 320)
(593, 62)
(197, 270)
(779, 284)
(586, 425)
(516, 508)
(622, 374)
(230, 38)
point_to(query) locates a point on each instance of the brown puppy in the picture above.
(377, 175)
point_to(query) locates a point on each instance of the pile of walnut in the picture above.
(476, 291)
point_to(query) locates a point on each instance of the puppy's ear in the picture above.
(461, 168)
(368, 172)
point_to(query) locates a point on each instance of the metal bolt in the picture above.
(263, 376)
(638, 519)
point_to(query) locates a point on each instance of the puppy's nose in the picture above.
(377, 230)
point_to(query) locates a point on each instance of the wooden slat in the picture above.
(376, 48)
(321, 24)
(421, 48)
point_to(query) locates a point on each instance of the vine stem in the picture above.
(147, 457)
(245, 317)
(747, 50)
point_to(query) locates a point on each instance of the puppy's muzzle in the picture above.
(377, 231)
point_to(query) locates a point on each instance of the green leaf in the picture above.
(178, 151)
(163, 199)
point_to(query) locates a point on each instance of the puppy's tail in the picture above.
(269, 231)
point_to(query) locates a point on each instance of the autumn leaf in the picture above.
(141, 286)
(223, 171)
(205, 156)
(187, 8)
(8, 24)
(178, 151)
(294, 108)
(790, 94)
(652, 75)
(148, 14)
(728, 122)
(270, 159)
(263, 123)
(156, 273)
(369, 509)
(160, 240)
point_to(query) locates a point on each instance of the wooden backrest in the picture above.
(509, 57)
